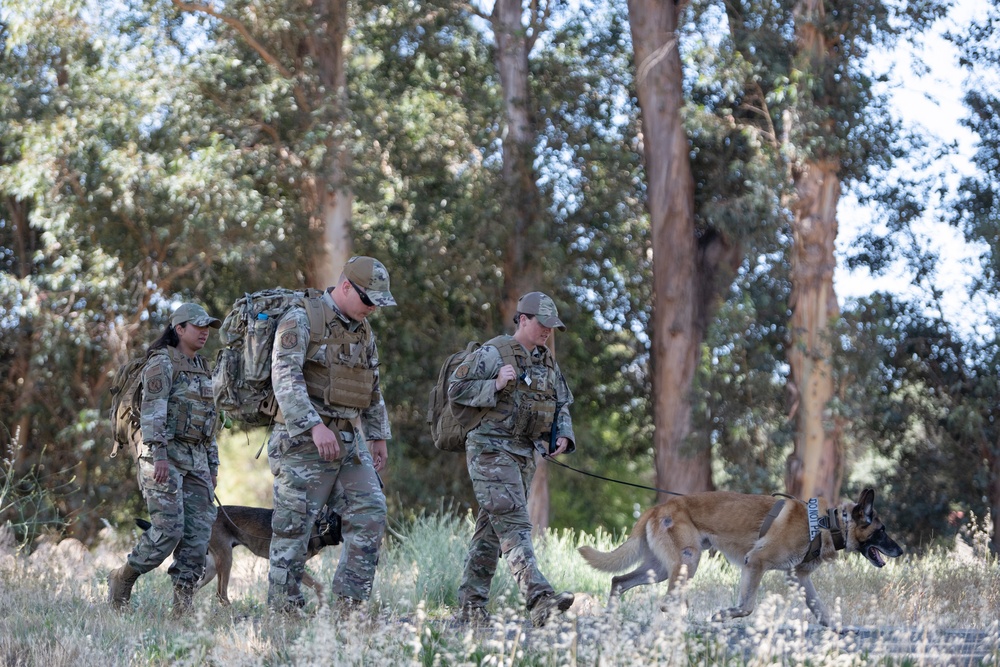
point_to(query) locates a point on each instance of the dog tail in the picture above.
(625, 556)
(142, 523)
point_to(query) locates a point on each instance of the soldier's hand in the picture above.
(161, 471)
(561, 444)
(379, 453)
(326, 442)
(505, 375)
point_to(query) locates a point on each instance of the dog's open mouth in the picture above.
(875, 556)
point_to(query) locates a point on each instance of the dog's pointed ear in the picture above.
(866, 505)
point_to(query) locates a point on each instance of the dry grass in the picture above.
(53, 612)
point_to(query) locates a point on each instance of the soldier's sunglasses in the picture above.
(361, 295)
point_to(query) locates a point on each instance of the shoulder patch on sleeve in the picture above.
(156, 385)
(462, 371)
(289, 340)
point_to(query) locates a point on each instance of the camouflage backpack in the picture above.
(126, 403)
(449, 421)
(241, 379)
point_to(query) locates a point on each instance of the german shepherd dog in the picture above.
(250, 527)
(756, 533)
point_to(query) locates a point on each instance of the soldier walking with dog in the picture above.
(178, 459)
(517, 381)
(331, 434)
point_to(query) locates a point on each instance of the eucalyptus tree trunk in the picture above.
(332, 195)
(521, 267)
(522, 264)
(814, 468)
(687, 275)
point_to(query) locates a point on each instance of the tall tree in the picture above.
(301, 45)
(815, 467)
(690, 267)
(525, 233)
(837, 131)
(114, 201)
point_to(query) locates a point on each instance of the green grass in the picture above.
(53, 611)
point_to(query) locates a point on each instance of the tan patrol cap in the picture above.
(371, 277)
(543, 307)
(195, 314)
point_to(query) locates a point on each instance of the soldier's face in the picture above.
(535, 332)
(355, 308)
(192, 337)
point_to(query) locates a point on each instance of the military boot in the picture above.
(120, 584)
(549, 605)
(473, 615)
(183, 599)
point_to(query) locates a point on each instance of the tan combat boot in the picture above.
(120, 584)
(183, 600)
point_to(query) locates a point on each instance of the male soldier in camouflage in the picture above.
(178, 459)
(518, 380)
(332, 432)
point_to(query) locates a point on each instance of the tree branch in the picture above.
(474, 11)
(254, 44)
(539, 21)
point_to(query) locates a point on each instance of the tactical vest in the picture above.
(533, 405)
(191, 411)
(341, 377)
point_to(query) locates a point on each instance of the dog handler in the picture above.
(330, 403)
(517, 379)
(178, 461)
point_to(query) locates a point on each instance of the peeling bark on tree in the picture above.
(814, 467)
(689, 270)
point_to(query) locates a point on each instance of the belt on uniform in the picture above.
(338, 424)
(332, 423)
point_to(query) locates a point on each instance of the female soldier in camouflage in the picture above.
(178, 459)
(516, 380)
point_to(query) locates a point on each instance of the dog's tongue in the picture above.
(876, 556)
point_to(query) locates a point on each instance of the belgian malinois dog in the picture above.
(250, 527)
(756, 533)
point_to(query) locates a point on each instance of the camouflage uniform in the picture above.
(303, 481)
(179, 422)
(500, 458)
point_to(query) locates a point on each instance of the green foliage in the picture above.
(976, 209)
(149, 154)
(922, 402)
(117, 196)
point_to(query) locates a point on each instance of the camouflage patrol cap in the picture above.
(541, 306)
(370, 276)
(195, 314)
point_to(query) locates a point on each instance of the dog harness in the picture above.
(817, 524)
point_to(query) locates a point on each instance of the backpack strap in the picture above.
(511, 352)
(312, 302)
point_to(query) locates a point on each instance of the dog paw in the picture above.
(727, 614)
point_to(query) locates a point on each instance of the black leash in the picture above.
(608, 479)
